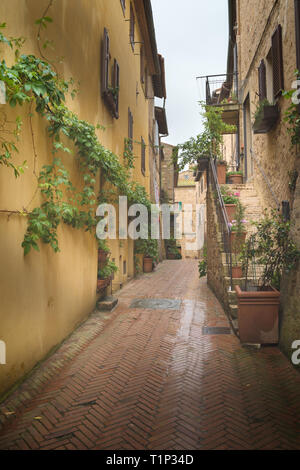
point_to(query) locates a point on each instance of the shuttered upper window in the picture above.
(109, 89)
(262, 81)
(130, 130)
(278, 80)
(132, 26)
(105, 62)
(143, 156)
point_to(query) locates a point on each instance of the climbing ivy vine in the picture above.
(33, 80)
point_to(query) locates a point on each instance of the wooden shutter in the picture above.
(142, 64)
(130, 129)
(105, 62)
(262, 81)
(132, 24)
(143, 156)
(116, 85)
(278, 81)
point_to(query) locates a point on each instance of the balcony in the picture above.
(222, 91)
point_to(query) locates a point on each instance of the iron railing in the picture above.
(222, 218)
(217, 88)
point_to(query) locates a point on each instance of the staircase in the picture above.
(253, 212)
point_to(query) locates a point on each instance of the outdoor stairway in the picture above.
(253, 213)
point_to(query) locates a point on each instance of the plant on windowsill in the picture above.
(271, 249)
(265, 117)
(111, 96)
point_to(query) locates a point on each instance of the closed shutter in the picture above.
(105, 62)
(278, 81)
(262, 81)
(142, 64)
(130, 129)
(132, 25)
(297, 28)
(143, 156)
(116, 85)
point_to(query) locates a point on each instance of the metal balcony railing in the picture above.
(219, 89)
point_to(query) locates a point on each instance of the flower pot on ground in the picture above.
(221, 172)
(149, 248)
(148, 265)
(172, 250)
(258, 315)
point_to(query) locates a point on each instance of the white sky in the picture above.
(192, 35)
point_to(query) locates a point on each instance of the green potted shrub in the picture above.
(172, 250)
(105, 275)
(235, 177)
(149, 248)
(103, 252)
(272, 250)
(230, 201)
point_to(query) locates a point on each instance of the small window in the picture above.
(124, 267)
(143, 156)
(131, 27)
(110, 78)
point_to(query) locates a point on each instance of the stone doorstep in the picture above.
(107, 304)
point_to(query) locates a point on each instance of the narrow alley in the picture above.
(150, 375)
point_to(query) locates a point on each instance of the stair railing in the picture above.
(222, 217)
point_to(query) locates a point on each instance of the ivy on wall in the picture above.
(32, 80)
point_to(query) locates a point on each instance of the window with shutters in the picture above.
(110, 82)
(278, 80)
(143, 156)
(131, 27)
(130, 130)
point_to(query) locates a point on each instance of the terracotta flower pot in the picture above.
(148, 265)
(230, 209)
(236, 179)
(237, 240)
(237, 272)
(258, 316)
(221, 173)
(102, 283)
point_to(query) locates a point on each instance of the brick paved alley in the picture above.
(151, 379)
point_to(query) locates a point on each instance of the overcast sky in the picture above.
(192, 35)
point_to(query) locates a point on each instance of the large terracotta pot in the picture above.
(237, 240)
(237, 272)
(148, 265)
(230, 209)
(102, 283)
(258, 316)
(236, 179)
(221, 173)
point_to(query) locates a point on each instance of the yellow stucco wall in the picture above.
(44, 295)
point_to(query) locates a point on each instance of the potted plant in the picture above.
(235, 177)
(265, 117)
(103, 252)
(221, 171)
(230, 201)
(105, 275)
(173, 251)
(149, 248)
(271, 249)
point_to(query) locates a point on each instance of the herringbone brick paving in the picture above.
(149, 379)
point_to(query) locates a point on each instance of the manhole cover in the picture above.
(216, 330)
(156, 304)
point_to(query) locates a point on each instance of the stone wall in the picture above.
(167, 171)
